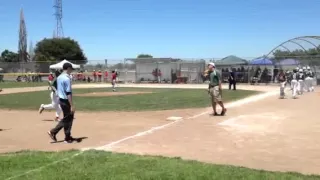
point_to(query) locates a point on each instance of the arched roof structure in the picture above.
(297, 41)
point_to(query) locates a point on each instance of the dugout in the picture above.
(168, 70)
(238, 65)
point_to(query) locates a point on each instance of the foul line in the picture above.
(110, 145)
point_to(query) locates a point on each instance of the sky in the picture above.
(116, 29)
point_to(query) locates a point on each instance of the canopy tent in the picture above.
(261, 61)
(60, 65)
(288, 62)
(231, 60)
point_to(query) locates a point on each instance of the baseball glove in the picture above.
(206, 73)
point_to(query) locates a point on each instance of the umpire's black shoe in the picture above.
(52, 136)
(69, 140)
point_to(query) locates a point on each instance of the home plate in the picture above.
(174, 118)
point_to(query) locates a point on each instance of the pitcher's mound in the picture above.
(99, 94)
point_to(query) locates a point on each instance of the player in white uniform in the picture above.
(54, 99)
(294, 83)
(304, 81)
(309, 80)
(282, 78)
(301, 78)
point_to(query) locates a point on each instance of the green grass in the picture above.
(11, 84)
(98, 165)
(8, 84)
(160, 99)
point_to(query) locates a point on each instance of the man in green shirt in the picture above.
(215, 90)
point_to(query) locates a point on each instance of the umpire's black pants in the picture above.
(66, 122)
(232, 83)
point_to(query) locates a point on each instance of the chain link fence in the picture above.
(168, 70)
(165, 70)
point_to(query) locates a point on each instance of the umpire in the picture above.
(232, 79)
(64, 91)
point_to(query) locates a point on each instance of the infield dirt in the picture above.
(270, 134)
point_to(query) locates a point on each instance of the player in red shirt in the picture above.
(94, 74)
(50, 77)
(113, 80)
(106, 76)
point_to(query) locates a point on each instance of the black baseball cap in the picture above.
(67, 65)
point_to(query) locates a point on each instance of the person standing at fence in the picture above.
(159, 74)
(215, 90)
(99, 76)
(114, 80)
(94, 74)
(232, 79)
(66, 102)
(106, 76)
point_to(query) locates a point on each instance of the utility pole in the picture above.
(22, 39)
(58, 15)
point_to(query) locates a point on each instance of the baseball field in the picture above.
(160, 132)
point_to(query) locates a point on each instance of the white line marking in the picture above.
(174, 118)
(110, 145)
(230, 121)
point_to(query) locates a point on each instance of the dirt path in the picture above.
(272, 134)
(27, 129)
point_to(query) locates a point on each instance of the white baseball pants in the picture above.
(309, 84)
(282, 87)
(54, 104)
(300, 86)
(294, 87)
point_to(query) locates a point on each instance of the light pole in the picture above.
(106, 63)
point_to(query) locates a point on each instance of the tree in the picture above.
(310, 56)
(9, 56)
(57, 49)
(144, 56)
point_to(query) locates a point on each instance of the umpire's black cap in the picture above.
(67, 66)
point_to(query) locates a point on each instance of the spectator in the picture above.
(106, 76)
(99, 76)
(94, 74)
(159, 74)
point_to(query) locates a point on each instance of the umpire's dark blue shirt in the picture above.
(64, 85)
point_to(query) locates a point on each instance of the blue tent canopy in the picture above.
(288, 62)
(261, 61)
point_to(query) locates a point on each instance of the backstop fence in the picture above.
(163, 70)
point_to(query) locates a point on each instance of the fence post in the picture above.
(136, 73)
(126, 70)
(157, 72)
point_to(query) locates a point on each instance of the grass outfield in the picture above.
(12, 84)
(99, 165)
(159, 99)
(8, 84)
